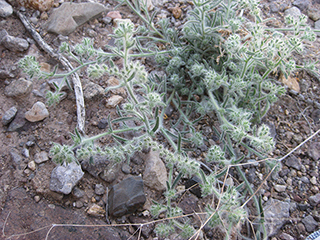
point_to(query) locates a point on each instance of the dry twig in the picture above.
(75, 77)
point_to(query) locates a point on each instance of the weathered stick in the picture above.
(75, 77)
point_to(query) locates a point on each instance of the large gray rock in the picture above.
(276, 214)
(293, 11)
(65, 19)
(301, 4)
(37, 113)
(9, 115)
(5, 9)
(126, 196)
(18, 88)
(155, 173)
(64, 178)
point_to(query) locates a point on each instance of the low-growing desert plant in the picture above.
(218, 65)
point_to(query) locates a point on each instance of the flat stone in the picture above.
(5, 9)
(113, 101)
(64, 178)
(280, 188)
(314, 13)
(114, 15)
(309, 223)
(276, 214)
(41, 157)
(16, 157)
(96, 211)
(9, 115)
(113, 82)
(314, 151)
(103, 123)
(37, 113)
(317, 26)
(92, 91)
(193, 186)
(60, 82)
(65, 19)
(18, 88)
(15, 44)
(32, 165)
(126, 196)
(155, 173)
(286, 236)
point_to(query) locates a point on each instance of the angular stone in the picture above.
(126, 196)
(317, 26)
(5, 9)
(276, 214)
(146, 229)
(99, 189)
(112, 82)
(15, 44)
(64, 178)
(301, 4)
(193, 186)
(92, 91)
(314, 200)
(37, 113)
(114, 15)
(15, 157)
(96, 211)
(113, 101)
(41, 157)
(18, 123)
(96, 166)
(293, 162)
(310, 223)
(9, 115)
(65, 19)
(155, 173)
(18, 88)
(103, 123)
(314, 151)
(110, 174)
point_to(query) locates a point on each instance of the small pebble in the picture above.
(32, 165)
(37, 198)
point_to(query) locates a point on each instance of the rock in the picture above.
(293, 11)
(103, 123)
(60, 82)
(112, 82)
(92, 91)
(9, 115)
(314, 151)
(155, 173)
(189, 204)
(146, 229)
(77, 192)
(110, 174)
(280, 188)
(309, 223)
(97, 166)
(18, 122)
(64, 178)
(317, 26)
(99, 189)
(276, 214)
(125, 168)
(274, 7)
(96, 211)
(314, 13)
(176, 12)
(313, 180)
(41, 5)
(18, 88)
(25, 153)
(32, 166)
(65, 19)
(113, 101)
(41, 157)
(301, 4)
(314, 200)
(15, 44)
(293, 162)
(5, 9)
(286, 236)
(16, 158)
(114, 15)
(37, 113)
(193, 186)
(126, 196)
